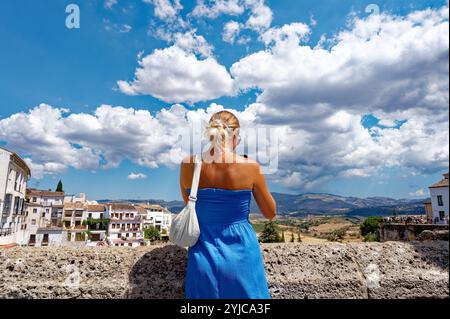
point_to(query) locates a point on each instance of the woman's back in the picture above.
(234, 173)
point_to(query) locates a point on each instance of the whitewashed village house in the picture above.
(125, 228)
(97, 223)
(156, 216)
(83, 220)
(43, 224)
(14, 176)
(440, 200)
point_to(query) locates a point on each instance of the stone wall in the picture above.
(406, 232)
(294, 270)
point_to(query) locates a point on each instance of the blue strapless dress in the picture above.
(226, 262)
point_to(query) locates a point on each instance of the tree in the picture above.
(299, 238)
(270, 233)
(283, 240)
(292, 238)
(369, 228)
(152, 233)
(59, 188)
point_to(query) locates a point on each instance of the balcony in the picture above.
(125, 230)
(5, 231)
(51, 225)
(77, 227)
(124, 219)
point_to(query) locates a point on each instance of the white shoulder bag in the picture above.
(185, 231)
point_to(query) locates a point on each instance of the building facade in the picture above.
(125, 228)
(14, 176)
(156, 216)
(440, 200)
(97, 223)
(43, 224)
(75, 212)
(428, 210)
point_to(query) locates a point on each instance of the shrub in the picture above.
(270, 233)
(152, 233)
(372, 237)
(337, 234)
(371, 225)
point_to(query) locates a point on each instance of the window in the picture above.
(7, 203)
(441, 215)
(34, 199)
(90, 215)
(101, 216)
(34, 210)
(440, 201)
(33, 222)
(16, 205)
(32, 240)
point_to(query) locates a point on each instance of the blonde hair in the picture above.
(221, 126)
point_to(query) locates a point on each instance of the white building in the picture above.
(440, 200)
(125, 228)
(156, 216)
(43, 223)
(97, 224)
(75, 212)
(14, 176)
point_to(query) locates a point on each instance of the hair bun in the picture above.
(216, 130)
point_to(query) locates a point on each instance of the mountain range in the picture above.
(320, 204)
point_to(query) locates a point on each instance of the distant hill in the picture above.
(319, 204)
(328, 204)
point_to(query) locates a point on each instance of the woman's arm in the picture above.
(263, 198)
(184, 176)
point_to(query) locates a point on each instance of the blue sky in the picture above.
(41, 61)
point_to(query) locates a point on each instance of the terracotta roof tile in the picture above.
(120, 206)
(96, 208)
(38, 192)
(441, 183)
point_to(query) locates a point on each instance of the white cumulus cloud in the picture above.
(174, 75)
(166, 9)
(136, 176)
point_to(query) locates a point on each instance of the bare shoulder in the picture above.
(251, 164)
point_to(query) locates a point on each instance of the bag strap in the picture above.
(195, 179)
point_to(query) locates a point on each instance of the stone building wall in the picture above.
(294, 270)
